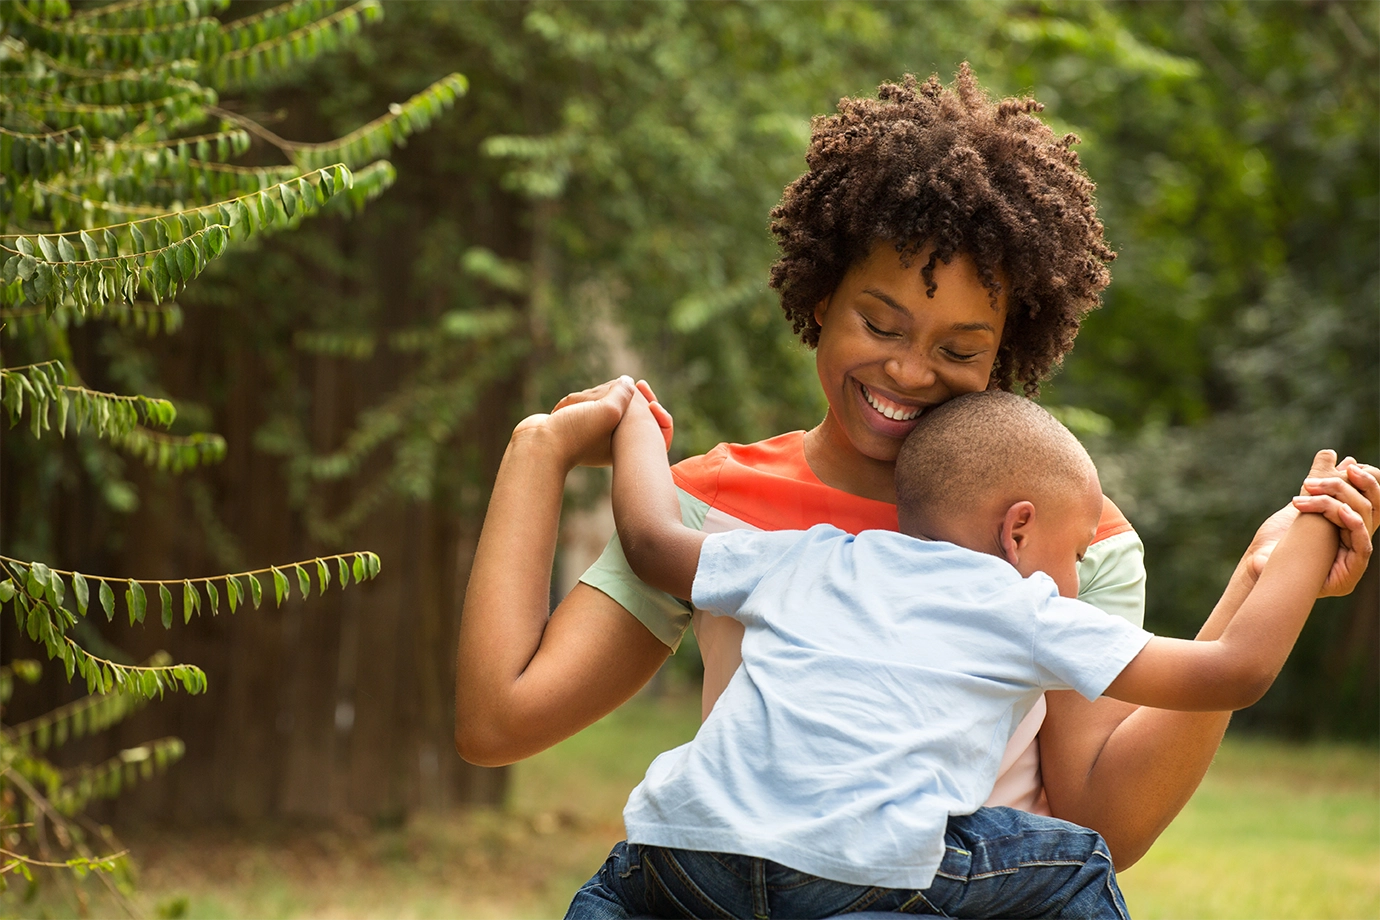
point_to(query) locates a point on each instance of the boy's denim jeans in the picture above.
(998, 862)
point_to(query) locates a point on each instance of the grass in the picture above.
(523, 861)
(1277, 831)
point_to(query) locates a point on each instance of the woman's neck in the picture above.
(833, 458)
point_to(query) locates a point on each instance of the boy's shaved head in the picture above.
(990, 448)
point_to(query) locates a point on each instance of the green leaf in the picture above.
(187, 603)
(38, 580)
(137, 602)
(7, 590)
(280, 585)
(88, 243)
(66, 249)
(290, 199)
(232, 591)
(216, 239)
(214, 595)
(186, 259)
(343, 568)
(79, 588)
(107, 598)
(358, 568)
(56, 588)
(303, 582)
(323, 575)
(165, 596)
(256, 590)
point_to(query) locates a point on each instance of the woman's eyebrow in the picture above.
(888, 300)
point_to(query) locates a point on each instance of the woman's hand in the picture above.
(581, 426)
(1348, 496)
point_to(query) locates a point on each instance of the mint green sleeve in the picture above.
(665, 617)
(1111, 577)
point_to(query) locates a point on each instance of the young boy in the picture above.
(844, 767)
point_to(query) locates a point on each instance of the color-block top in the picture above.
(842, 751)
(769, 486)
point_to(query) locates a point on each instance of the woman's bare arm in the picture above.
(525, 681)
(1126, 771)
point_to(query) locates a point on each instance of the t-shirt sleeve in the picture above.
(1111, 577)
(665, 617)
(733, 564)
(1079, 647)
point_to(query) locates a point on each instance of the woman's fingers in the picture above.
(1355, 487)
(1356, 546)
(617, 385)
(1336, 511)
(1366, 479)
(1348, 495)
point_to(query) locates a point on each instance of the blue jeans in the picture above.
(998, 862)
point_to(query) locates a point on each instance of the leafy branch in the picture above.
(163, 253)
(375, 139)
(264, 61)
(109, 414)
(38, 596)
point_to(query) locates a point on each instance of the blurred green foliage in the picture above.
(1238, 167)
(620, 160)
(600, 203)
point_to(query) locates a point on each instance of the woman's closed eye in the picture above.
(961, 355)
(875, 330)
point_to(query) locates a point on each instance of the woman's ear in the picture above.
(821, 308)
(1015, 530)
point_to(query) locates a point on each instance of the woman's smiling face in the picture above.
(887, 351)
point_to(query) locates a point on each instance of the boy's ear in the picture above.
(1015, 530)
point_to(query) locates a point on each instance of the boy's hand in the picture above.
(1348, 495)
(663, 418)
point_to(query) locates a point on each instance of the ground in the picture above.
(1277, 831)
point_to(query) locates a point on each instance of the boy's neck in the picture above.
(979, 532)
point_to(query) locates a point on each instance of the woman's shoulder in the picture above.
(1112, 523)
(768, 485)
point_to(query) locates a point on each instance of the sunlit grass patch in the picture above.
(1275, 831)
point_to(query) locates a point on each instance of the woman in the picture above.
(939, 243)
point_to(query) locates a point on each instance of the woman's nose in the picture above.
(911, 372)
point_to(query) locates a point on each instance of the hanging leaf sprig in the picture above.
(47, 602)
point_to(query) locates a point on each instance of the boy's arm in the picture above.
(661, 550)
(1126, 771)
(1234, 670)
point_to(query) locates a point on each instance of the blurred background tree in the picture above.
(600, 205)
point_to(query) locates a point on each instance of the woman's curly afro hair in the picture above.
(925, 166)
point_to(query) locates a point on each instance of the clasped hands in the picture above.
(1347, 493)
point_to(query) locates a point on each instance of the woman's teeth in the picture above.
(896, 413)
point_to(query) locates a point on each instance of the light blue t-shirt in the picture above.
(882, 677)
